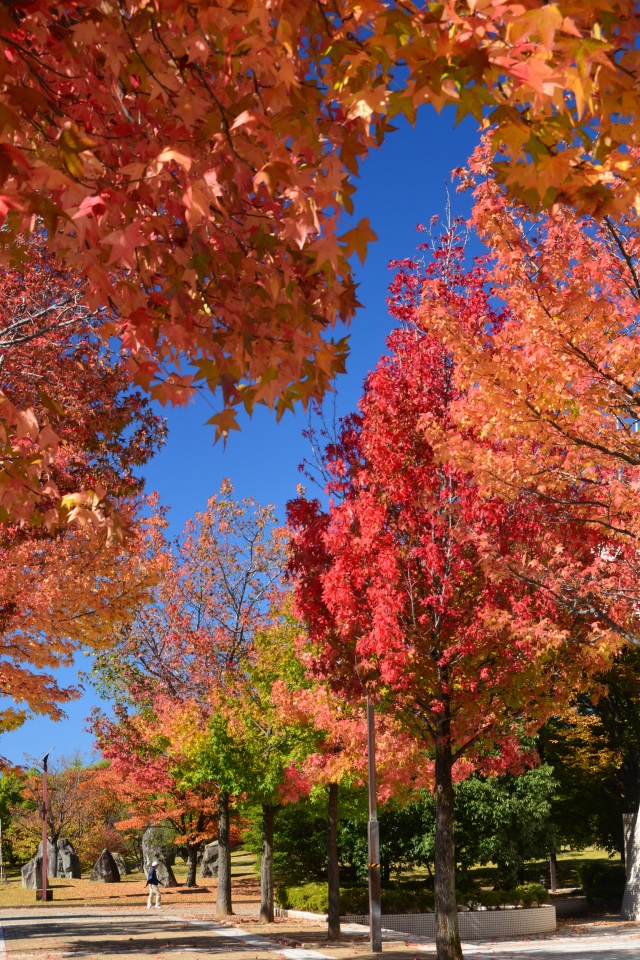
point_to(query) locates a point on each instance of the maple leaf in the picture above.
(224, 422)
(72, 142)
(357, 239)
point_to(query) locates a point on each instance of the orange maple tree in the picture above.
(190, 644)
(151, 774)
(67, 578)
(82, 810)
(547, 403)
(192, 162)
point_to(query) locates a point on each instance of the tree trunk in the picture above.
(223, 901)
(552, 872)
(192, 855)
(266, 866)
(447, 936)
(630, 909)
(333, 868)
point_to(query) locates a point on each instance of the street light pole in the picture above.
(375, 907)
(45, 852)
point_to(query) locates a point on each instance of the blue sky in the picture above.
(402, 184)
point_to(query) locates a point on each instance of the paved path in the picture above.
(53, 933)
(101, 934)
(583, 941)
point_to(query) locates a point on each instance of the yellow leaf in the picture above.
(71, 143)
(181, 159)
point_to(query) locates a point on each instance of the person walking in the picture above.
(154, 886)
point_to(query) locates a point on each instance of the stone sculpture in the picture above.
(105, 869)
(209, 864)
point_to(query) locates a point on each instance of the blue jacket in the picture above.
(152, 878)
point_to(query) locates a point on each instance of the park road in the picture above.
(51, 932)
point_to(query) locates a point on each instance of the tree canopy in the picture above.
(193, 163)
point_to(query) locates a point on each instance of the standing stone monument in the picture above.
(153, 850)
(32, 874)
(52, 858)
(105, 869)
(209, 864)
(63, 856)
(123, 869)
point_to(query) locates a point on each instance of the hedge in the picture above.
(603, 883)
(314, 897)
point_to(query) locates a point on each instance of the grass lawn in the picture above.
(131, 892)
(538, 870)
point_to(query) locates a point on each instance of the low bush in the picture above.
(528, 894)
(412, 897)
(603, 883)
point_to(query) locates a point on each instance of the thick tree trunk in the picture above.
(266, 865)
(192, 855)
(630, 909)
(223, 901)
(333, 868)
(447, 936)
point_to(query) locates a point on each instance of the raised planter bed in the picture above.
(473, 924)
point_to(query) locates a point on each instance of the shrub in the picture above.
(529, 893)
(314, 897)
(491, 898)
(603, 882)
(412, 897)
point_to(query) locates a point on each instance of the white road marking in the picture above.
(261, 943)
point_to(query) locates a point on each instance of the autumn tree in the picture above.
(551, 388)
(82, 809)
(191, 642)
(68, 569)
(398, 585)
(73, 432)
(194, 164)
(150, 773)
(336, 757)
(254, 745)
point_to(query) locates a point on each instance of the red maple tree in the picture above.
(400, 583)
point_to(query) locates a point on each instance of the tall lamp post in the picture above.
(45, 811)
(375, 907)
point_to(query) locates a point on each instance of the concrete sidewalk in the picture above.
(54, 932)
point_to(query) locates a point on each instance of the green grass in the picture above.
(535, 870)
